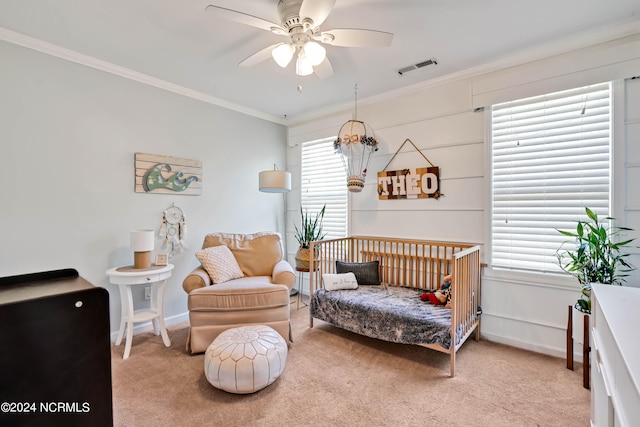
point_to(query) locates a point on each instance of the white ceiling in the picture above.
(176, 41)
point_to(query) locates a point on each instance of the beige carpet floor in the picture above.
(336, 378)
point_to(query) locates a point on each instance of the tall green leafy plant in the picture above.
(310, 229)
(594, 256)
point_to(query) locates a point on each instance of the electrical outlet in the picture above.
(147, 293)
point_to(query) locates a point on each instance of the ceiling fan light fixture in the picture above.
(282, 54)
(300, 21)
(315, 53)
(303, 65)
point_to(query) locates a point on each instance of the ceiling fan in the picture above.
(300, 21)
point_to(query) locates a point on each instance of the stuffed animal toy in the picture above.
(442, 296)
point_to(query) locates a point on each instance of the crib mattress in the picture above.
(391, 313)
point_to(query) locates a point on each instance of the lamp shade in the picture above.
(282, 54)
(142, 240)
(315, 53)
(275, 181)
(303, 65)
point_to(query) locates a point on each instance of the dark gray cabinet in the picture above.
(55, 355)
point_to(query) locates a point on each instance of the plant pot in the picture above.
(303, 258)
(579, 312)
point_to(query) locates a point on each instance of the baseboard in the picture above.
(148, 326)
(547, 332)
(551, 351)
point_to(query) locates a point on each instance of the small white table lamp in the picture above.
(142, 244)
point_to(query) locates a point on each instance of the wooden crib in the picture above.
(404, 265)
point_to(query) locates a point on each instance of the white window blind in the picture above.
(324, 181)
(550, 160)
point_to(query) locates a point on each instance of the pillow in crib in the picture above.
(366, 272)
(335, 282)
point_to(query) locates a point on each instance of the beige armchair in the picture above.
(261, 297)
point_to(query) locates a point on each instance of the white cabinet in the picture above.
(615, 363)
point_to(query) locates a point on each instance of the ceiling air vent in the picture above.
(417, 66)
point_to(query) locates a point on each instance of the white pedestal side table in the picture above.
(155, 277)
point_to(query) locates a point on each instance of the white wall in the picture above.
(628, 163)
(68, 135)
(529, 310)
(440, 123)
(525, 310)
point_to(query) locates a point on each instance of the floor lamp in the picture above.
(277, 181)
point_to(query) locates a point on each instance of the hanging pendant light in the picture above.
(355, 142)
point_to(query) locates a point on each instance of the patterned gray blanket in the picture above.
(388, 313)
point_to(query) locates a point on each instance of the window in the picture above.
(550, 159)
(324, 181)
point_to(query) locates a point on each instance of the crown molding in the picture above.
(575, 42)
(33, 43)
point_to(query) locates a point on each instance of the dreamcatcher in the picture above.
(173, 230)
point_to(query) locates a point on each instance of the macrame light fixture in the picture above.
(356, 141)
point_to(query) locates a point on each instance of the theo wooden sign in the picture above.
(413, 183)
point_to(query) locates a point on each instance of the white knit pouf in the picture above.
(245, 359)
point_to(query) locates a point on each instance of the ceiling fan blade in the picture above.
(259, 56)
(317, 10)
(245, 19)
(354, 37)
(324, 70)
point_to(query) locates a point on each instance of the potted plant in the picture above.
(594, 256)
(309, 231)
